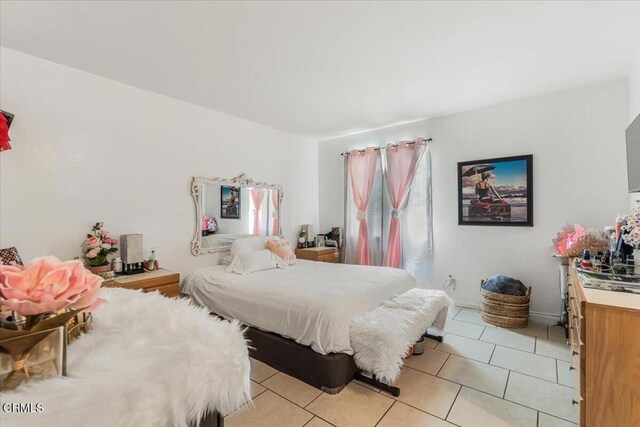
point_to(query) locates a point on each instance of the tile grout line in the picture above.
(422, 410)
(260, 382)
(492, 351)
(542, 379)
(385, 413)
(445, 362)
(506, 384)
(453, 403)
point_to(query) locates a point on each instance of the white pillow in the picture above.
(250, 244)
(250, 262)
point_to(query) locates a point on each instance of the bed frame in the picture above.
(330, 373)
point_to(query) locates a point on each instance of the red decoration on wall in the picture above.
(4, 133)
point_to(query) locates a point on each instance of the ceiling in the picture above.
(322, 69)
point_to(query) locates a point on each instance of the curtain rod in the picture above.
(346, 153)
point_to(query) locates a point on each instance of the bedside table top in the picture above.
(321, 249)
(155, 277)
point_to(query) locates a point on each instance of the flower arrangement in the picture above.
(631, 229)
(212, 224)
(572, 240)
(49, 294)
(98, 246)
(48, 286)
(209, 225)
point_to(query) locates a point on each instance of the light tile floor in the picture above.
(479, 376)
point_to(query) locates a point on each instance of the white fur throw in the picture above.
(148, 361)
(382, 337)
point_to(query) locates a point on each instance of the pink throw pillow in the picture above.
(282, 248)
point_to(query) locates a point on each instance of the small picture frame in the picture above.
(319, 241)
(229, 202)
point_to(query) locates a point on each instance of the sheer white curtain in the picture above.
(416, 222)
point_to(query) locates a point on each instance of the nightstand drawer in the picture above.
(324, 254)
(169, 291)
(158, 280)
(332, 257)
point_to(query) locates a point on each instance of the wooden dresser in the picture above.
(164, 281)
(319, 254)
(604, 334)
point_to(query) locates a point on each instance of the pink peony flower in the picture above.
(48, 285)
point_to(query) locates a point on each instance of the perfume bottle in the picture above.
(586, 262)
(152, 260)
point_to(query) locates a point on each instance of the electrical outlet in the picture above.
(450, 282)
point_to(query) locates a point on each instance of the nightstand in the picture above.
(324, 254)
(164, 281)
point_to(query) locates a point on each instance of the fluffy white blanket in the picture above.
(148, 361)
(381, 337)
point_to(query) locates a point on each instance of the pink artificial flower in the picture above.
(48, 285)
(573, 238)
(104, 233)
(110, 240)
(93, 252)
(92, 242)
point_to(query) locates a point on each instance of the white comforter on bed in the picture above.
(310, 302)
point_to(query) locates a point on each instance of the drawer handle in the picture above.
(571, 298)
(575, 317)
(574, 402)
(574, 353)
(571, 368)
(569, 284)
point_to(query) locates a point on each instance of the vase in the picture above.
(103, 271)
(636, 257)
(99, 269)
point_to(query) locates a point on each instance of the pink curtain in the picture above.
(401, 164)
(362, 170)
(257, 195)
(274, 199)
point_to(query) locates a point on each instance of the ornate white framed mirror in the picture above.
(230, 208)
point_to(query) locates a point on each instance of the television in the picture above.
(633, 155)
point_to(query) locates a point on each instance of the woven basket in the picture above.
(507, 311)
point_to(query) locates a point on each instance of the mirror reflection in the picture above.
(230, 209)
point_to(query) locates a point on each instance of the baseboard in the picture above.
(536, 315)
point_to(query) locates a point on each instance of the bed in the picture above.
(300, 317)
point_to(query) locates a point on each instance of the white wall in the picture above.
(577, 139)
(634, 88)
(634, 108)
(89, 149)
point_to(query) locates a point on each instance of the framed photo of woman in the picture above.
(229, 202)
(496, 191)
